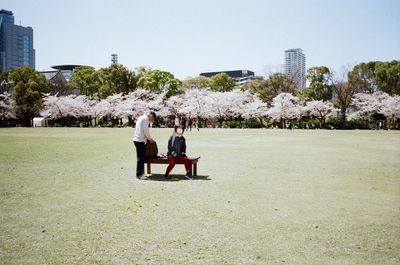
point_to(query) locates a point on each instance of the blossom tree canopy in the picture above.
(285, 106)
(205, 104)
(367, 104)
(391, 107)
(57, 107)
(6, 107)
(319, 108)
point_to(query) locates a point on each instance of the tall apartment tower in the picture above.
(16, 43)
(295, 66)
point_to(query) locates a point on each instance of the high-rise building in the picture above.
(16, 43)
(295, 66)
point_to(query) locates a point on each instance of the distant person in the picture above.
(177, 150)
(177, 121)
(186, 123)
(190, 124)
(141, 136)
(196, 124)
(183, 123)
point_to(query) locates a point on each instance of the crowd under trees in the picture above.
(366, 96)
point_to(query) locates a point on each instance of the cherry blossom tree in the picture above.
(367, 104)
(52, 108)
(254, 108)
(209, 105)
(64, 107)
(285, 106)
(6, 108)
(240, 99)
(106, 109)
(319, 109)
(228, 105)
(391, 109)
(189, 103)
(134, 104)
(82, 108)
(194, 104)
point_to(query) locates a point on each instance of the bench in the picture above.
(164, 160)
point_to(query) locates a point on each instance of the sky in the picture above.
(188, 37)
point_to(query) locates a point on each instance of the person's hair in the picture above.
(153, 114)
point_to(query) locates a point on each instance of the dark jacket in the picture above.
(178, 147)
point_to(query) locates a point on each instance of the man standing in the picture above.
(142, 135)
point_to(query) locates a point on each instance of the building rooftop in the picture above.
(64, 67)
(3, 11)
(231, 73)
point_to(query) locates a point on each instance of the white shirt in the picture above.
(142, 133)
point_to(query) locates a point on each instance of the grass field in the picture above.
(70, 196)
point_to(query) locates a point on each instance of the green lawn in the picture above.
(70, 196)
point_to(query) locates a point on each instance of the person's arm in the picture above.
(146, 131)
(183, 146)
(170, 145)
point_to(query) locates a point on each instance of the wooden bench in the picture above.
(164, 160)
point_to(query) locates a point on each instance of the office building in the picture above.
(59, 77)
(16, 43)
(241, 77)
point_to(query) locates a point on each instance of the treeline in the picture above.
(30, 90)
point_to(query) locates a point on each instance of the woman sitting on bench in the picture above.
(177, 150)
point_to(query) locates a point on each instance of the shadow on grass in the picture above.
(159, 177)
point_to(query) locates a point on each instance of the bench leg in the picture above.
(195, 169)
(148, 168)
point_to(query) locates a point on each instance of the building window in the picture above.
(26, 50)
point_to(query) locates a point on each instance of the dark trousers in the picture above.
(140, 157)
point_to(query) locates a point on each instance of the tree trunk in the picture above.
(27, 122)
(322, 123)
(343, 118)
(261, 122)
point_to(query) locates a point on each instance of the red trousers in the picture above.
(172, 162)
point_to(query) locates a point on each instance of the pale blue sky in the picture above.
(188, 37)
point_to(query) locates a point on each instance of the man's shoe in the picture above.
(142, 177)
(165, 177)
(189, 175)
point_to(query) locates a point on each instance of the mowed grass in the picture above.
(70, 196)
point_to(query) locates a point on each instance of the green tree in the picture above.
(320, 87)
(27, 92)
(159, 81)
(4, 85)
(363, 77)
(222, 82)
(387, 76)
(86, 80)
(343, 93)
(3, 76)
(197, 82)
(268, 89)
(116, 79)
